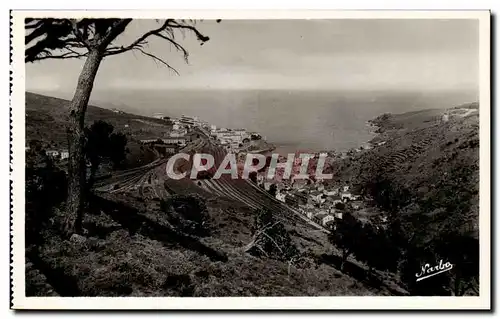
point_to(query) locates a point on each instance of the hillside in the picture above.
(423, 173)
(143, 235)
(46, 119)
(417, 151)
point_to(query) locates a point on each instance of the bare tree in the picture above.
(92, 40)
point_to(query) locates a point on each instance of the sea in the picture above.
(292, 120)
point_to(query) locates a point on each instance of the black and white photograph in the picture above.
(311, 155)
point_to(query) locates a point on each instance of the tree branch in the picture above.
(176, 45)
(177, 25)
(67, 55)
(35, 24)
(79, 35)
(137, 42)
(116, 29)
(155, 58)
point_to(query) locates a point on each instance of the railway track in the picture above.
(151, 182)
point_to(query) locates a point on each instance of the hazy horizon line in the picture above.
(402, 90)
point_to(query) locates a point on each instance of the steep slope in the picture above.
(423, 174)
(429, 162)
(46, 119)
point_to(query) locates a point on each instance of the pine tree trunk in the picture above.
(76, 140)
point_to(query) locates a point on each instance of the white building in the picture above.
(64, 154)
(347, 196)
(178, 133)
(317, 197)
(267, 185)
(280, 197)
(356, 205)
(326, 219)
(187, 120)
(260, 178)
(52, 153)
(331, 192)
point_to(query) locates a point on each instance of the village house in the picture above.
(192, 135)
(301, 196)
(299, 183)
(347, 196)
(178, 132)
(175, 140)
(330, 224)
(317, 197)
(292, 200)
(181, 141)
(167, 148)
(52, 153)
(260, 178)
(267, 185)
(331, 192)
(356, 205)
(318, 218)
(310, 214)
(118, 111)
(187, 120)
(280, 197)
(64, 154)
(327, 219)
(255, 136)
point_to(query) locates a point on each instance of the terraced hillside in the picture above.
(422, 154)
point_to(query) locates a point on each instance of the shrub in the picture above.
(187, 212)
(46, 188)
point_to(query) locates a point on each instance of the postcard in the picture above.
(250, 160)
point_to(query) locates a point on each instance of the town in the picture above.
(297, 180)
(320, 201)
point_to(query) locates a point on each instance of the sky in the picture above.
(288, 54)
